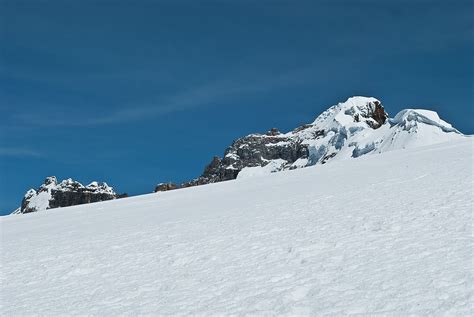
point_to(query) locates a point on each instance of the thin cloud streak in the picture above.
(19, 153)
(218, 91)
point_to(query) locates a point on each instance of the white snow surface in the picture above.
(272, 167)
(387, 234)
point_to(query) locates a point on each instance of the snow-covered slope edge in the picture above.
(386, 235)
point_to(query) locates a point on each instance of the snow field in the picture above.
(386, 234)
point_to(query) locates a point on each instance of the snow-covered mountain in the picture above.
(382, 235)
(54, 194)
(356, 127)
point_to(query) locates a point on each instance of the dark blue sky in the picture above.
(139, 92)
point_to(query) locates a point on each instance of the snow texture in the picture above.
(272, 167)
(389, 234)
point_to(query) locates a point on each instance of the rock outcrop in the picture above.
(163, 187)
(53, 194)
(350, 129)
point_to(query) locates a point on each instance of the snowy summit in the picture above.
(350, 129)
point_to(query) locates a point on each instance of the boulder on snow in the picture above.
(163, 187)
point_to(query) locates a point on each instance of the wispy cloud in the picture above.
(19, 152)
(191, 98)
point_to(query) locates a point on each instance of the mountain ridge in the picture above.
(359, 126)
(349, 129)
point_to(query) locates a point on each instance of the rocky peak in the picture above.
(366, 111)
(51, 180)
(352, 128)
(372, 113)
(54, 194)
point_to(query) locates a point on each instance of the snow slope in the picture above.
(384, 234)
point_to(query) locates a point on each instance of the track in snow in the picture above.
(389, 233)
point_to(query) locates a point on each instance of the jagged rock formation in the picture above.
(350, 129)
(250, 151)
(52, 194)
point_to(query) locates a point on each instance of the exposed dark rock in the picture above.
(260, 149)
(249, 151)
(52, 194)
(379, 115)
(77, 197)
(273, 132)
(303, 127)
(372, 113)
(328, 157)
(165, 187)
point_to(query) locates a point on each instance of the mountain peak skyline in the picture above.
(356, 127)
(128, 92)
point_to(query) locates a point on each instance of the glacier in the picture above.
(387, 234)
(350, 129)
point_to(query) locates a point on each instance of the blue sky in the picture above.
(140, 92)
